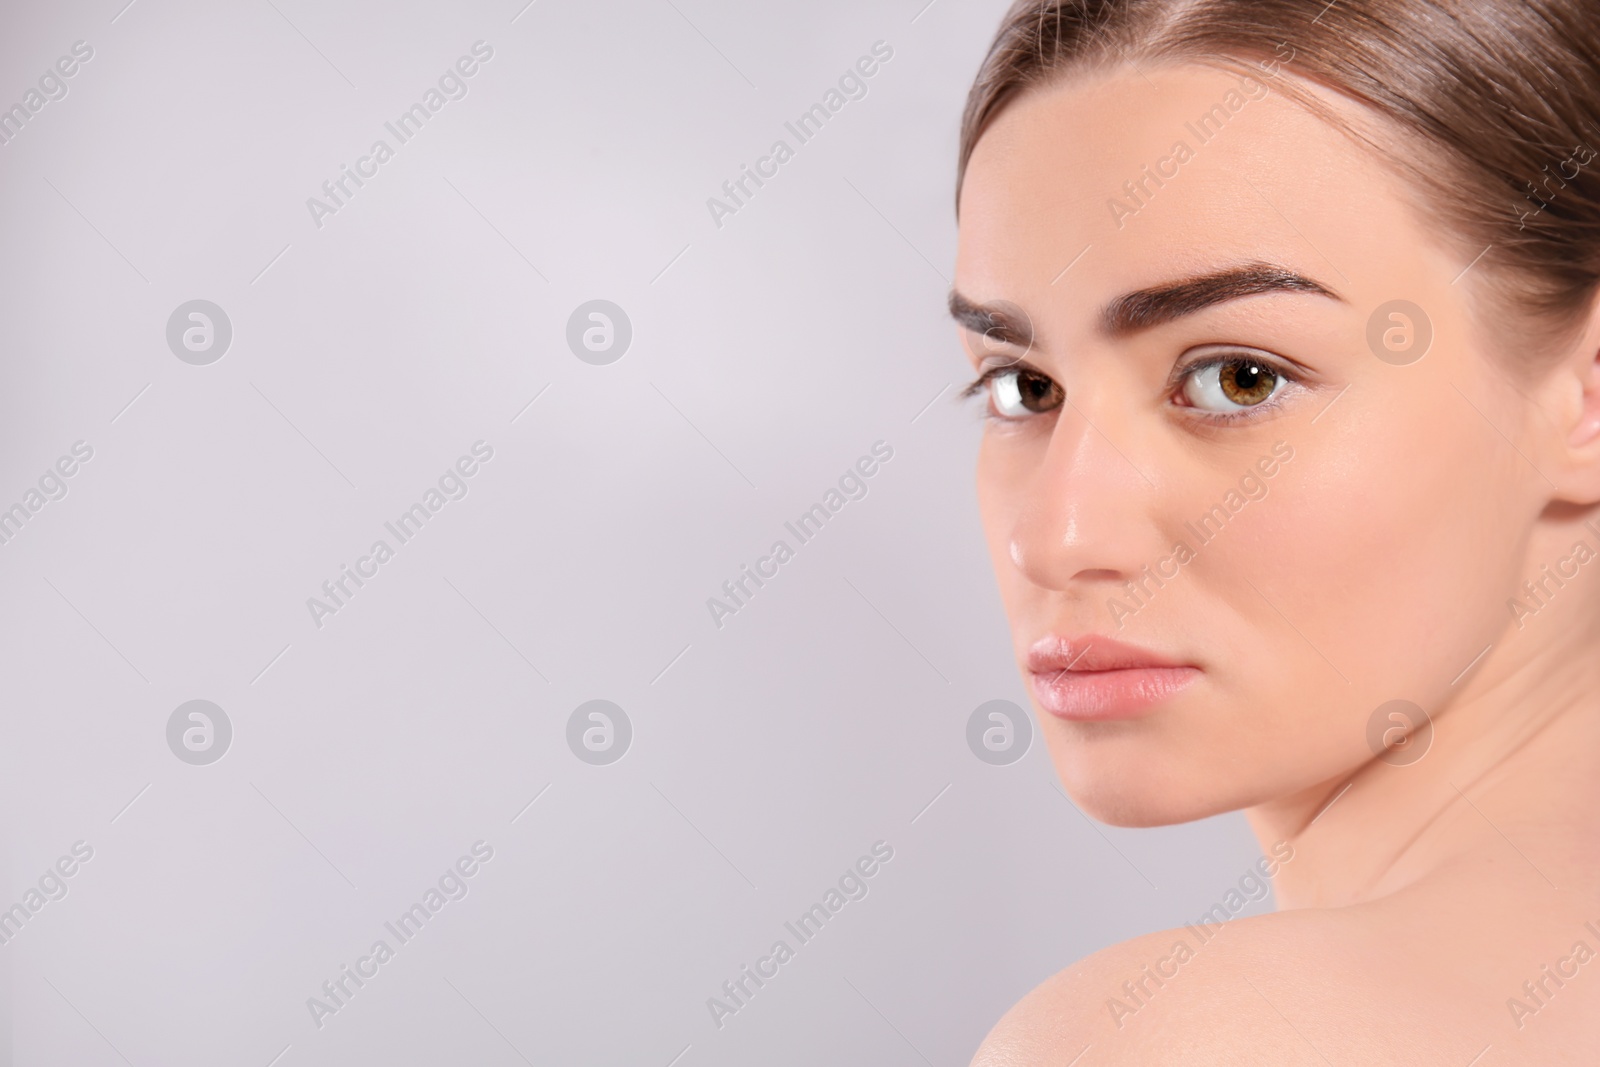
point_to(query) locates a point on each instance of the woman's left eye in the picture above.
(1231, 384)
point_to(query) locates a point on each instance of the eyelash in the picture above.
(981, 384)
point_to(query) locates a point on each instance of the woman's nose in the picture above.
(1085, 512)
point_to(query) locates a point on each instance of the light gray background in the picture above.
(367, 355)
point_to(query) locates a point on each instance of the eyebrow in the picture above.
(1143, 309)
(991, 320)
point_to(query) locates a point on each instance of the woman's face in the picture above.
(1329, 499)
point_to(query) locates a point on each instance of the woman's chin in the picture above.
(1119, 797)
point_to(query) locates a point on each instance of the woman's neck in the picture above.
(1513, 768)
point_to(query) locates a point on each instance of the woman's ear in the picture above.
(1586, 428)
(1576, 465)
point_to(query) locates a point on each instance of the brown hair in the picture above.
(1501, 96)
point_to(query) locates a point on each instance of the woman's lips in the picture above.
(1092, 678)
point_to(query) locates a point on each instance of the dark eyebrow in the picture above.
(1145, 308)
(999, 322)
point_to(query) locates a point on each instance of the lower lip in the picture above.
(1098, 696)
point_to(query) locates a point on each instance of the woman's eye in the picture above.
(1229, 385)
(1016, 394)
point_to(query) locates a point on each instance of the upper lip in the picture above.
(1091, 652)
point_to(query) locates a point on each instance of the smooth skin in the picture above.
(1378, 566)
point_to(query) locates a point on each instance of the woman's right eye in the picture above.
(1016, 393)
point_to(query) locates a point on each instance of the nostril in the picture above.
(1101, 574)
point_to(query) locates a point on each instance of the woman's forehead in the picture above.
(1094, 188)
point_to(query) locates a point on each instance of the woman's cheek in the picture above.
(1348, 565)
(1005, 469)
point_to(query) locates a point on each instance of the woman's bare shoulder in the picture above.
(1309, 986)
(1192, 995)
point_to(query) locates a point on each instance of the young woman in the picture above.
(1285, 317)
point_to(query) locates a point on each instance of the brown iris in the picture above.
(1246, 382)
(1038, 393)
